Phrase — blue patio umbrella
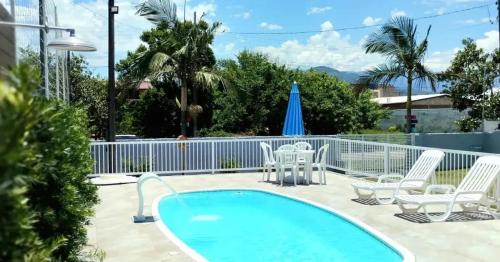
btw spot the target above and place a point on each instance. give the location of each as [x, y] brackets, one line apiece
[294, 125]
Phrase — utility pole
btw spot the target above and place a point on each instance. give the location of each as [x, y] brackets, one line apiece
[110, 134]
[498, 21]
[194, 115]
[43, 48]
[112, 10]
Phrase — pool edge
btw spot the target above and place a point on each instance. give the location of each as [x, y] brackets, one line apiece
[405, 253]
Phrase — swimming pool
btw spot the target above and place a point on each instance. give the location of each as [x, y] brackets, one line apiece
[254, 225]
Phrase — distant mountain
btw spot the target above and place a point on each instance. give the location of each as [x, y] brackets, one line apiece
[348, 76]
[352, 77]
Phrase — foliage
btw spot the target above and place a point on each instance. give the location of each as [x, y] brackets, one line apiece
[206, 132]
[229, 163]
[256, 101]
[470, 80]
[18, 115]
[155, 114]
[51, 142]
[397, 41]
[87, 89]
[177, 51]
[90, 92]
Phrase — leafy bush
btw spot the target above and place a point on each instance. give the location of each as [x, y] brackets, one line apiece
[18, 114]
[206, 132]
[229, 163]
[47, 198]
[155, 114]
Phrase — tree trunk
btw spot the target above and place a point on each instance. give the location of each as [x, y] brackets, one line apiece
[408, 101]
[195, 116]
[183, 108]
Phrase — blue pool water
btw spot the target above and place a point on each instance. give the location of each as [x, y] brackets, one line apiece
[246, 225]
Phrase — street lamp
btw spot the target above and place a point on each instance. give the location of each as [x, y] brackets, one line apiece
[71, 43]
[68, 43]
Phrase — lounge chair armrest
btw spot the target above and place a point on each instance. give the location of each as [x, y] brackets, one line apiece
[442, 189]
[406, 180]
[390, 178]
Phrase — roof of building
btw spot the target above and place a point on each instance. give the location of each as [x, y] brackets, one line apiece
[402, 99]
[144, 85]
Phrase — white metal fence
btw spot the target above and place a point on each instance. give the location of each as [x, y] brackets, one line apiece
[395, 138]
[352, 157]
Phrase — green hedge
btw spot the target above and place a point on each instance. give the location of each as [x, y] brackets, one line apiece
[45, 197]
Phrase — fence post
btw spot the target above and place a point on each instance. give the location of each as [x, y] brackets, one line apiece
[213, 157]
[498, 194]
[386, 159]
[412, 139]
[349, 153]
[150, 157]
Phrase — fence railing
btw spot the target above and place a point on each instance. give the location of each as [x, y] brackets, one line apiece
[391, 138]
[182, 157]
[352, 157]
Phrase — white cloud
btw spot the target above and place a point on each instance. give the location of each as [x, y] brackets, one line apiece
[489, 42]
[89, 18]
[325, 48]
[450, 2]
[244, 15]
[483, 20]
[370, 21]
[223, 29]
[441, 60]
[270, 26]
[318, 10]
[396, 12]
[327, 25]
[229, 47]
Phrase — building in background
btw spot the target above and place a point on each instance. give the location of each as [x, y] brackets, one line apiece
[417, 101]
[434, 112]
[7, 40]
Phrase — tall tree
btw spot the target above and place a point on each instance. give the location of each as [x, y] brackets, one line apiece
[397, 40]
[184, 55]
[470, 80]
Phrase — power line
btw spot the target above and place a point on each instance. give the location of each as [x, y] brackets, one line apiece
[355, 27]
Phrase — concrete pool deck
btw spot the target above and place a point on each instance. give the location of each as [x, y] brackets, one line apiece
[113, 231]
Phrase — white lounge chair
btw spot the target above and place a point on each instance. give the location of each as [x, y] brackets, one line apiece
[471, 191]
[320, 163]
[416, 179]
[269, 162]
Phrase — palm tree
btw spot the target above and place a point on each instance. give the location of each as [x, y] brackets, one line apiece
[182, 56]
[397, 41]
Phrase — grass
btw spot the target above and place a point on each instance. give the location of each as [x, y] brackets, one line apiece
[450, 177]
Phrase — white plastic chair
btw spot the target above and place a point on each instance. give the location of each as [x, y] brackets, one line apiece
[302, 146]
[416, 179]
[269, 162]
[320, 163]
[471, 191]
[287, 159]
[287, 147]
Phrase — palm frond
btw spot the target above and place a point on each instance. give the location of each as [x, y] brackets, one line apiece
[422, 47]
[424, 76]
[384, 74]
[159, 11]
[209, 79]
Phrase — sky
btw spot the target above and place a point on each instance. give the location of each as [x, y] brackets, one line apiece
[338, 46]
